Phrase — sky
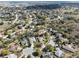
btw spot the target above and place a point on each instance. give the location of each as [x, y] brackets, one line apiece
[27, 3]
[40, 0]
[32, 2]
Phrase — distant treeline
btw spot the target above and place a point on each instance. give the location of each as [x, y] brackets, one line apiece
[70, 4]
[49, 6]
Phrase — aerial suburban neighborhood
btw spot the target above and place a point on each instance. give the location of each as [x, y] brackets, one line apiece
[43, 30]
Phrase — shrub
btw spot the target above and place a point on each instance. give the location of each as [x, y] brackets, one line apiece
[1, 23]
[4, 52]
